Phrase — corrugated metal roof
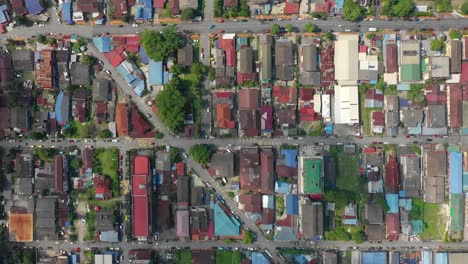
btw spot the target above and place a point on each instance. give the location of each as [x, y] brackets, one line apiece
[456, 173]
[155, 72]
[292, 206]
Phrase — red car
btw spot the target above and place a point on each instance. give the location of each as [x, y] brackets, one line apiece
[267, 31]
[120, 170]
[221, 31]
[152, 143]
[121, 157]
[221, 21]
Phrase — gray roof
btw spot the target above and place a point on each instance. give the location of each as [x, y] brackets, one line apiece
[391, 102]
[183, 4]
[80, 94]
[223, 163]
[284, 60]
[185, 55]
[196, 196]
[411, 117]
[437, 116]
[330, 257]
[391, 118]
[455, 56]
[266, 62]
[310, 59]
[23, 166]
[368, 75]
[62, 56]
[25, 186]
[310, 78]
[104, 220]
[19, 118]
[375, 232]
[80, 74]
[374, 213]
[163, 161]
[45, 222]
[23, 60]
[101, 88]
[246, 60]
[183, 189]
[311, 217]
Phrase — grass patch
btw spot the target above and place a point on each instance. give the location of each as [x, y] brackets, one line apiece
[183, 257]
[435, 222]
[107, 163]
[416, 149]
[390, 149]
[347, 174]
[228, 257]
[279, 206]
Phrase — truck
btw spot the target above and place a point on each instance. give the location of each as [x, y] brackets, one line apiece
[372, 29]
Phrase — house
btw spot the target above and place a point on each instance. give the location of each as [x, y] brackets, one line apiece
[310, 175]
[183, 229]
[291, 7]
[374, 98]
[267, 171]
[80, 74]
[266, 118]
[230, 3]
[368, 65]
[184, 4]
[435, 172]
[374, 257]
[18, 7]
[199, 223]
[120, 8]
[104, 220]
[44, 60]
[33, 7]
[307, 107]
[436, 116]
[250, 170]
[392, 227]
[101, 90]
[222, 164]
[346, 59]
[45, 219]
[410, 61]
[183, 191]
[284, 60]
[67, 13]
[292, 204]
[140, 196]
[285, 95]
[203, 256]
[224, 117]
[392, 114]
[121, 119]
[140, 127]
[374, 214]
[185, 55]
[248, 123]
[79, 104]
[411, 174]
[21, 225]
[174, 7]
[411, 118]
[392, 180]
[23, 59]
[437, 67]
[225, 224]
[62, 108]
[378, 122]
[259, 258]
[346, 105]
[144, 10]
[246, 70]
[5, 70]
[61, 175]
[310, 72]
[456, 172]
[88, 6]
[102, 187]
[250, 203]
[391, 60]
[454, 50]
[455, 106]
[310, 219]
[20, 119]
[266, 70]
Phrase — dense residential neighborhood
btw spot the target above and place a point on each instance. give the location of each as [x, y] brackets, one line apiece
[234, 131]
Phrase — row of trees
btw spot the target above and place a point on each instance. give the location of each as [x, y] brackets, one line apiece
[398, 8]
[241, 11]
[159, 45]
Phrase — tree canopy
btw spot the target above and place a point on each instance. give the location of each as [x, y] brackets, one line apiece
[160, 45]
[187, 14]
[249, 237]
[289, 28]
[352, 11]
[105, 133]
[171, 104]
[443, 5]
[437, 44]
[455, 34]
[464, 8]
[404, 8]
[200, 153]
[311, 28]
[275, 29]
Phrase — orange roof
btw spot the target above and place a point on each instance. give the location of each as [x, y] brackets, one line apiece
[21, 227]
[44, 73]
[223, 116]
[122, 119]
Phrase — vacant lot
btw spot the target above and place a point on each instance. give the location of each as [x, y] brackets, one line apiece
[435, 222]
[107, 163]
[183, 257]
[228, 257]
[347, 174]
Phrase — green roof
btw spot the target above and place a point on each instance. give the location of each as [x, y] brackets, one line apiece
[225, 225]
[456, 212]
[417, 227]
[313, 173]
[410, 72]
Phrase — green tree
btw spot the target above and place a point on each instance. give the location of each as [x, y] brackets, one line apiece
[198, 69]
[211, 74]
[311, 28]
[352, 11]
[171, 104]
[21, 20]
[75, 164]
[275, 29]
[40, 38]
[160, 45]
[231, 194]
[105, 133]
[228, 241]
[464, 8]
[187, 14]
[437, 44]
[71, 131]
[289, 28]
[443, 5]
[404, 8]
[244, 9]
[328, 36]
[127, 18]
[201, 153]
[248, 237]
[358, 237]
[88, 59]
[218, 8]
[455, 34]
[159, 135]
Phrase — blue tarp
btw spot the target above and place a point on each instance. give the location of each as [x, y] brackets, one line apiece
[404, 103]
[406, 204]
[456, 176]
[292, 206]
[290, 157]
[67, 12]
[374, 257]
[392, 202]
[259, 258]
[33, 6]
[281, 187]
[155, 72]
[103, 44]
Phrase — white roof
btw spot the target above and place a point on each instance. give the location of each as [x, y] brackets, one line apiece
[346, 105]
[325, 105]
[317, 103]
[346, 58]
[391, 78]
[102, 259]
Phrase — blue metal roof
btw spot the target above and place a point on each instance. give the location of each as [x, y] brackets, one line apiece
[109, 236]
[224, 224]
[155, 72]
[290, 157]
[281, 187]
[67, 11]
[426, 257]
[103, 44]
[33, 6]
[403, 87]
[392, 202]
[374, 257]
[74, 259]
[259, 258]
[3, 18]
[58, 108]
[139, 88]
[456, 174]
[143, 56]
[292, 206]
[441, 258]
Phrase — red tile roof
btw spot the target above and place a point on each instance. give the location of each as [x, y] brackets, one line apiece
[242, 77]
[159, 3]
[391, 175]
[378, 118]
[435, 96]
[101, 185]
[252, 203]
[44, 72]
[268, 216]
[291, 8]
[373, 94]
[140, 216]
[393, 226]
[248, 99]
[18, 7]
[285, 171]
[132, 47]
[87, 6]
[140, 165]
[58, 171]
[121, 119]
[267, 171]
[266, 117]
[231, 3]
[114, 58]
[322, 8]
[455, 105]
[285, 95]
[223, 95]
[174, 7]
[120, 8]
[180, 169]
[391, 58]
[140, 126]
[249, 170]
[307, 114]
[306, 94]
[223, 116]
